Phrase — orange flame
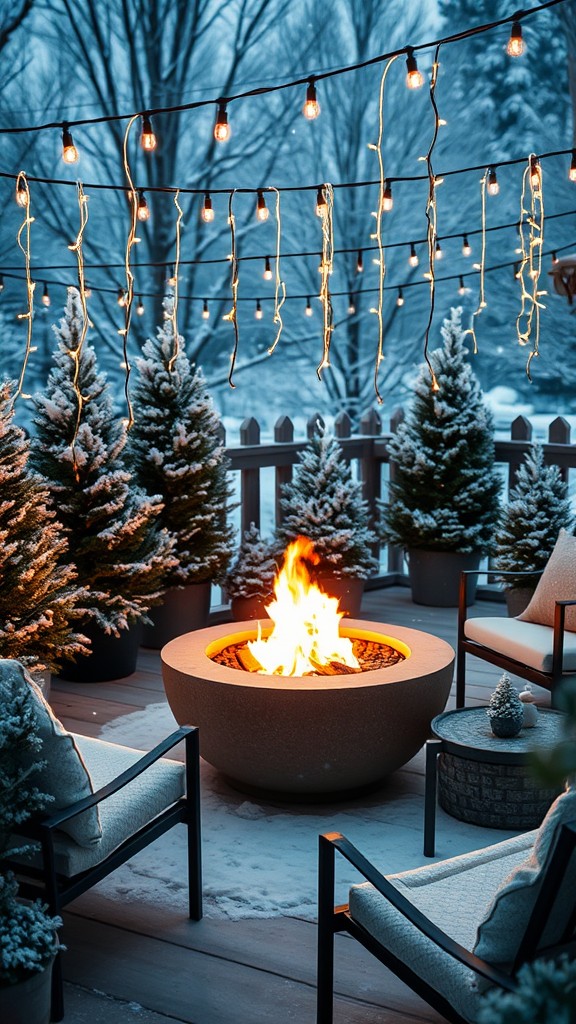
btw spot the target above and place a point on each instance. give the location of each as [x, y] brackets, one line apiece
[306, 621]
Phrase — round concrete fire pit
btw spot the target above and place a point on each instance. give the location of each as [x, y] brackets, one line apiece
[308, 735]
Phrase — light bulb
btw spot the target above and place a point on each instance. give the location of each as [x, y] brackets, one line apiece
[387, 200]
[311, 107]
[148, 140]
[535, 172]
[515, 47]
[267, 275]
[554, 257]
[69, 151]
[438, 253]
[121, 300]
[87, 291]
[140, 307]
[360, 262]
[21, 194]
[572, 171]
[309, 311]
[461, 286]
[258, 311]
[45, 296]
[493, 187]
[261, 208]
[414, 78]
[351, 305]
[207, 213]
[320, 203]
[143, 210]
[221, 126]
[413, 257]
[172, 280]
[400, 298]
[466, 247]
[205, 310]
[1, 283]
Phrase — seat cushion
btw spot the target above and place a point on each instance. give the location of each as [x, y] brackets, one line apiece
[526, 642]
[502, 929]
[65, 776]
[124, 813]
[557, 583]
[454, 894]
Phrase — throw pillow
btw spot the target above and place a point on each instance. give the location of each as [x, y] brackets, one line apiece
[557, 583]
[501, 931]
[65, 776]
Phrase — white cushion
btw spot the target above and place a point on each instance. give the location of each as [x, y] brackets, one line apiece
[454, 894]
[65, 776]
[500, 932]
[526, 642]
[557, 583]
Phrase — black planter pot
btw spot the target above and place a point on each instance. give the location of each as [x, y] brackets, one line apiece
[111, 658]
[348, 589]
[183, 610]
[435, 576]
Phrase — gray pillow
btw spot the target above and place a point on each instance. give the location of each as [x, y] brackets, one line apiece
[65, 776]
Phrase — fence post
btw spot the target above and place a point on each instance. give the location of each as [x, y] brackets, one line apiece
[559, 433]
[249, 478]
[283, 432]
[520, 430]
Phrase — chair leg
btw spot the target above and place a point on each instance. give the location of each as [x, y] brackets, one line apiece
[193, 826]
[325, 980]
[460, 678]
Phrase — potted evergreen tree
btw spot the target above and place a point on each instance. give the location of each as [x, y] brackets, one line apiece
[176, 451]
[538, 508]
[116, 544]
[444, 496]
[38, 596]
[249, 583]
[324, 503]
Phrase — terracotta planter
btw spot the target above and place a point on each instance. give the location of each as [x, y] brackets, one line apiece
[435, 576]
[183, 609]
[348, 590]
[111, 658]
[245, 608]
[27, 1002]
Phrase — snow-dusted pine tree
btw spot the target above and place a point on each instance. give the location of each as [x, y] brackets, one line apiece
[505, 710]
[445, 493]
[120, 552]
[38, 597]
[538, 508]
[324, 503]
[176, 451]
[254, 568]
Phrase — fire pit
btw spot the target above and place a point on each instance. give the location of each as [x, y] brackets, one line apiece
[308, 736]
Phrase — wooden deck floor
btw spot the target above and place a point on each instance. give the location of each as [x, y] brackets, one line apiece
[136, 962]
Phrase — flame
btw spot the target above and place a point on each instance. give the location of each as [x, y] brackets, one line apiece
[306, 621]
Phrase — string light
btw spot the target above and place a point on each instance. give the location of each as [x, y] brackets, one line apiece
[258, 311]
[515, 47]
[466, 247]
[232, 315]
[439, 252]
[267, 275]
[554, 257]
[172, 279]
[572, 171]
[400, 298]
[387, 200]
[484, 188]
[311, 108]
[21, 194]
[173, 305]
[1, 283]
[25, 230]
[221, 126]
[535, 172]
[530, 304]
[414, 77]
[148, 140]
[280, 286]
[205, 310]
[431, 216]
[320, 203]
[207, 212]
[461, 286]
[360, 262]
[351, 305]
[76, 352]
[45, 296]
[308, 311]
[261, 208]
[87, 291]
[69, 151]
[140, 307]
[326, 269]
[492, 187]
[413, 257]
[121, 299]
[143, 208]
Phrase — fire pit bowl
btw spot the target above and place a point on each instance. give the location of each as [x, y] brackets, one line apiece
[309, 736]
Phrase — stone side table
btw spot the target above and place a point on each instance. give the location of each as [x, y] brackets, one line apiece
[482, 779]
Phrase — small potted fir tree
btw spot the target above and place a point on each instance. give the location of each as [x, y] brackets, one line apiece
[324, 503]
[249, 583]
[176, 451]
[444, 494]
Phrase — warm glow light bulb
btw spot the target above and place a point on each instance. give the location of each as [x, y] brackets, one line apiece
[535, 172]
[21, 194]
[493, 187]
[172, 279]
[205, 310]
[258, 311]
[554, 257]
[400, 298]
[438, 253]
[466, 247]
[309, 311]
[360, 262]
[311, 107]
[221, 126]
[45, 296]
[387, 200]
[515, 47]
[148, 140]
[461, 286]
[121, 300]
[572, 171]
[413, 257]
[143, 210]
[320, 203]
[1, 283]
[414, 77]
[351, 305]
[140, 307]
[261, 208]
[207, 213]
[267, 275]
[69, 151]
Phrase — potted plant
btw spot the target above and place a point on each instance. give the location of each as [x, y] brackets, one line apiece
[324, 503]
[116, 543]
[545, 994]
[28, 934]
[249, 583]
[444, 493]
[176, 451]
[38, 596]
[538, 508]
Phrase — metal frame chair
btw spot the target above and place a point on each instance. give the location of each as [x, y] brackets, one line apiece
[57, 890]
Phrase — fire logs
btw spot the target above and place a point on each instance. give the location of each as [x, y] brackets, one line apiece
[372, 656]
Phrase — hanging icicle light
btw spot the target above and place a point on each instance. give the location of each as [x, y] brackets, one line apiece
[492, 187]
[400, 298]
[140, 307]
[221, 126]
[267, 275]
[205, 310]
[207, 213]
[45, 296]
[413, 257]
[21, 194]
[143, 210]
[261, 208]
[414, 77]
[308, 311]
[148, 140]
[515, 47]
[351, 305]
[466, 247]
[311, 108]
[387, 200]
[258, 311]
[69, 151]
[360, 262]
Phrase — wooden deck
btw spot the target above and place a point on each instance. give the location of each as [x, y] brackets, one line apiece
[131, 962]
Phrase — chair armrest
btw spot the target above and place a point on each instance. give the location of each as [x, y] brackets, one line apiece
[55, 820]
[338, 842]
[558, 636]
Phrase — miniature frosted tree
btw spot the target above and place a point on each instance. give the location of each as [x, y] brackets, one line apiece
[254, 568]
[176, 451]
[505, 710]
[38, 597]
[538, 508]
[120, 553]
[445, 493]
[324, 503]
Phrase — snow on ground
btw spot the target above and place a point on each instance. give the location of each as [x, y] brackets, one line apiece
[260, 857]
